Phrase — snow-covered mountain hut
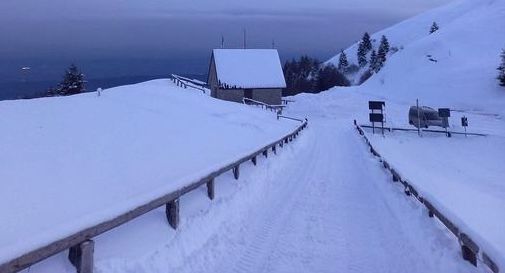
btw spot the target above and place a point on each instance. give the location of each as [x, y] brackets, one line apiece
[256, 74]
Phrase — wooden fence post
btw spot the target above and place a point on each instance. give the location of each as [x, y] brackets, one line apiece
[254, 161]
[81, 256]
[236, 172]
[172, 212]
[210, 189]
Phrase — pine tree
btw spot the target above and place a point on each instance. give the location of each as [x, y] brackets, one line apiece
[434, 27]
[362, 55]
[343, 64]
[373, 61]
[367, 44]
[73, 82]
[382, 53]
[501, 69]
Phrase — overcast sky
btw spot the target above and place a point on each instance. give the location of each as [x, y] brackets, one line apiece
[136, 37]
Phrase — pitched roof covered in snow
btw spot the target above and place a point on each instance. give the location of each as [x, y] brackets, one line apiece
[249, 68]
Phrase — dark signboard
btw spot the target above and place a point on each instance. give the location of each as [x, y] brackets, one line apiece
[444, 112]
[464, 122]
[376, 105]
[376, 117]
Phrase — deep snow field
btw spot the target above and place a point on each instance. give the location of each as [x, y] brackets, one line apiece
[71, 162]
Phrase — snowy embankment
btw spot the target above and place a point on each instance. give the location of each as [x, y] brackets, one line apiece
[73, 162]
[464, 176]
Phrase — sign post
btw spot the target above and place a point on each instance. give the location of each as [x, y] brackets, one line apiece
[445, 113]
[376, 117]
[464, 123]
[418, 118]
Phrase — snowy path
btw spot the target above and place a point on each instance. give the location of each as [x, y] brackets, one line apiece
[334, 217]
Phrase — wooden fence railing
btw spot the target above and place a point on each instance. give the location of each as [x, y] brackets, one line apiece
[81, 245]
[470, 250]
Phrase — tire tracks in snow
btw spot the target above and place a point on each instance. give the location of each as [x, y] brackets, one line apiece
[339, 217]
[273, 216]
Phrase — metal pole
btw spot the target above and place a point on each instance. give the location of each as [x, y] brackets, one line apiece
[418, 118]
[245, 39]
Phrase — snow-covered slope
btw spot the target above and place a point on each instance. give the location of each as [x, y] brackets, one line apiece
[464, 75]
[464, 52]
[73, 162]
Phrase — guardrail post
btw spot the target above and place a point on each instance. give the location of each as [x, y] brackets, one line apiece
[281, 144]
[265, 153]
[274, 149]
[81, 256]
[430, 213]
[236, 172]
[286, 140]
[254, 161]
[210, 189]
[395, 175]
[407, 191]
[469, 249]
[172, 212]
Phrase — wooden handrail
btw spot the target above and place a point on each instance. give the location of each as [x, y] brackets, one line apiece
[82, 239]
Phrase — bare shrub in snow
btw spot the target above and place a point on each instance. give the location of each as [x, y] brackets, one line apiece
[365, 76]
[434, 27]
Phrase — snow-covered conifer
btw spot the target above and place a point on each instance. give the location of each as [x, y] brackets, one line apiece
[343, 64]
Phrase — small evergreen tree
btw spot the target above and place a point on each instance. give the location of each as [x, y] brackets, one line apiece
[373, 61]
[73, 82]
[343, 64]
[382, 54]
[362, 55]
[501, 69]
[434, 27]
[367, 44]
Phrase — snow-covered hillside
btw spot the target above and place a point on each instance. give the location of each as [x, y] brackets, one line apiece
[464, 55]
[73, 162]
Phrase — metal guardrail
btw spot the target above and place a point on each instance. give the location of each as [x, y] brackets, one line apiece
[185, 83]
[290, 118]
[470, 249]
[263, 105]
[80, 244]
[390, 129]
[286, 101]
